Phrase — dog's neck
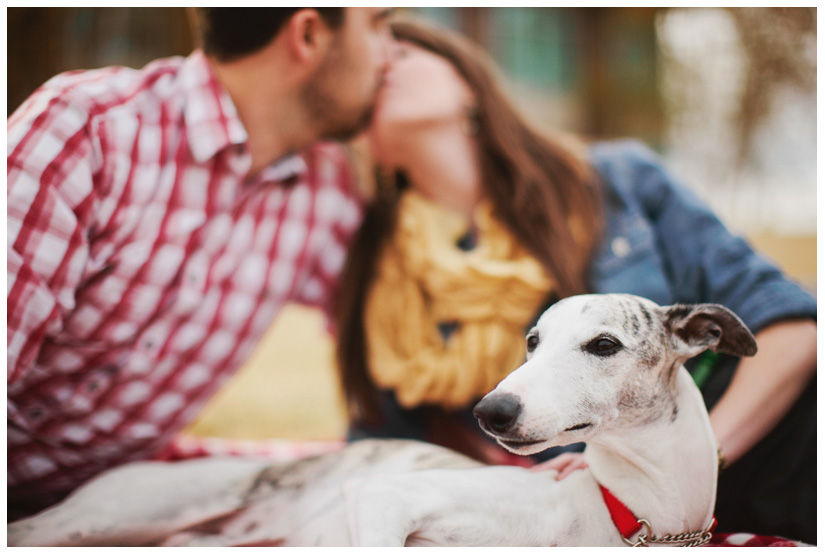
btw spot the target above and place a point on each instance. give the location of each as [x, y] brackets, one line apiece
[664, 471]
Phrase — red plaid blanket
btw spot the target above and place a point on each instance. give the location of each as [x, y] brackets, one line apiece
[751, 540]
[187, 447]
[190, 447]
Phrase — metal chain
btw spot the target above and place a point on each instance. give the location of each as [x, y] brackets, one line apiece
[690, 539]
[687, 539]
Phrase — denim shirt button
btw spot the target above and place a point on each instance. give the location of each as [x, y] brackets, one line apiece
[620, 247]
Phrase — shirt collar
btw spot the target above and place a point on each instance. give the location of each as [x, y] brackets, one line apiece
[212, 121]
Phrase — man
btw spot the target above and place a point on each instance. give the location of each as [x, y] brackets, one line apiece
[157, 221]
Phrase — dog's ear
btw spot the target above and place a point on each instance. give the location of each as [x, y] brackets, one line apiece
[695, 328]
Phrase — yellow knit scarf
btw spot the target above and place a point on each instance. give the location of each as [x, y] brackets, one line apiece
[423, 280]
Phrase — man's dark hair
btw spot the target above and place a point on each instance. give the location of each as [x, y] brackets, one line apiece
[231, 33]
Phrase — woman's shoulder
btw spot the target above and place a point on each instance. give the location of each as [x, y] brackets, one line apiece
[630, 170]
[621, 150]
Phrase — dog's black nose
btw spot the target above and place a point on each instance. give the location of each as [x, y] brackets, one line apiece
[498, 412]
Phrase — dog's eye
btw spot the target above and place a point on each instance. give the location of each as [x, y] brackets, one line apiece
[532, 343]
[603, 346]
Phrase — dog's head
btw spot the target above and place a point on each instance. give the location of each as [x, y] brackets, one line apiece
[597, 361]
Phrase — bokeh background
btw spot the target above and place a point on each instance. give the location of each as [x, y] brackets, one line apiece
[726, 95]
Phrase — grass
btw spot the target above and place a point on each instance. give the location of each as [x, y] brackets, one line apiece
[287, 389]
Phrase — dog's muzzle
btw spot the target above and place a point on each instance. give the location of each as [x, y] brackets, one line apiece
[498, 413]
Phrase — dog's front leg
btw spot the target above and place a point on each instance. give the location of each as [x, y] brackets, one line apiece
[491, 506]
[378, 514]
[421, 508]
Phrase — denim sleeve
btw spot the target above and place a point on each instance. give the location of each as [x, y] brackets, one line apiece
[702, 259]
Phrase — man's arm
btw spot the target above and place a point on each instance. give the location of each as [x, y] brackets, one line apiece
[338, 181]
[50, 199]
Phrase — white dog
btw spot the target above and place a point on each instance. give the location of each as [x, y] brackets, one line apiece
[605, 369]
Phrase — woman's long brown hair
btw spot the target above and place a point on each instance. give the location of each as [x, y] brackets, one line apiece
[545, 193]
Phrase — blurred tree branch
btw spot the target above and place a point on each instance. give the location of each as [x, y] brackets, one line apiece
[780, 46]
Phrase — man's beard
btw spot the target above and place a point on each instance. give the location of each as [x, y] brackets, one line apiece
[325, 111]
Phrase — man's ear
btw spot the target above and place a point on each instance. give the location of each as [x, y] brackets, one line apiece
[307, 35]
[695, 328]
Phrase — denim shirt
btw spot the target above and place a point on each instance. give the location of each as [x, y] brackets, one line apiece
[663, 243]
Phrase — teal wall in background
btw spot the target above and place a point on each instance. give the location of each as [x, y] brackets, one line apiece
[537, 46]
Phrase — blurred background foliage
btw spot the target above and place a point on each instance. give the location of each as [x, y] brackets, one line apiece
[726, 95]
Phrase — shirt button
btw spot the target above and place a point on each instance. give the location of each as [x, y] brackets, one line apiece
[620, 247]
[35, 414]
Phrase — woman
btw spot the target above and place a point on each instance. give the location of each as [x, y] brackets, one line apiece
[479, 223]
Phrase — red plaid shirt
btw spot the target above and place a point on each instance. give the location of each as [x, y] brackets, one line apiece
[144, 264]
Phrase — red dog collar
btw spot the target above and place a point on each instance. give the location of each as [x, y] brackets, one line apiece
[628, 525]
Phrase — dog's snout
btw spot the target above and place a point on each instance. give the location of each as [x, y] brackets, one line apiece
[498, 412]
